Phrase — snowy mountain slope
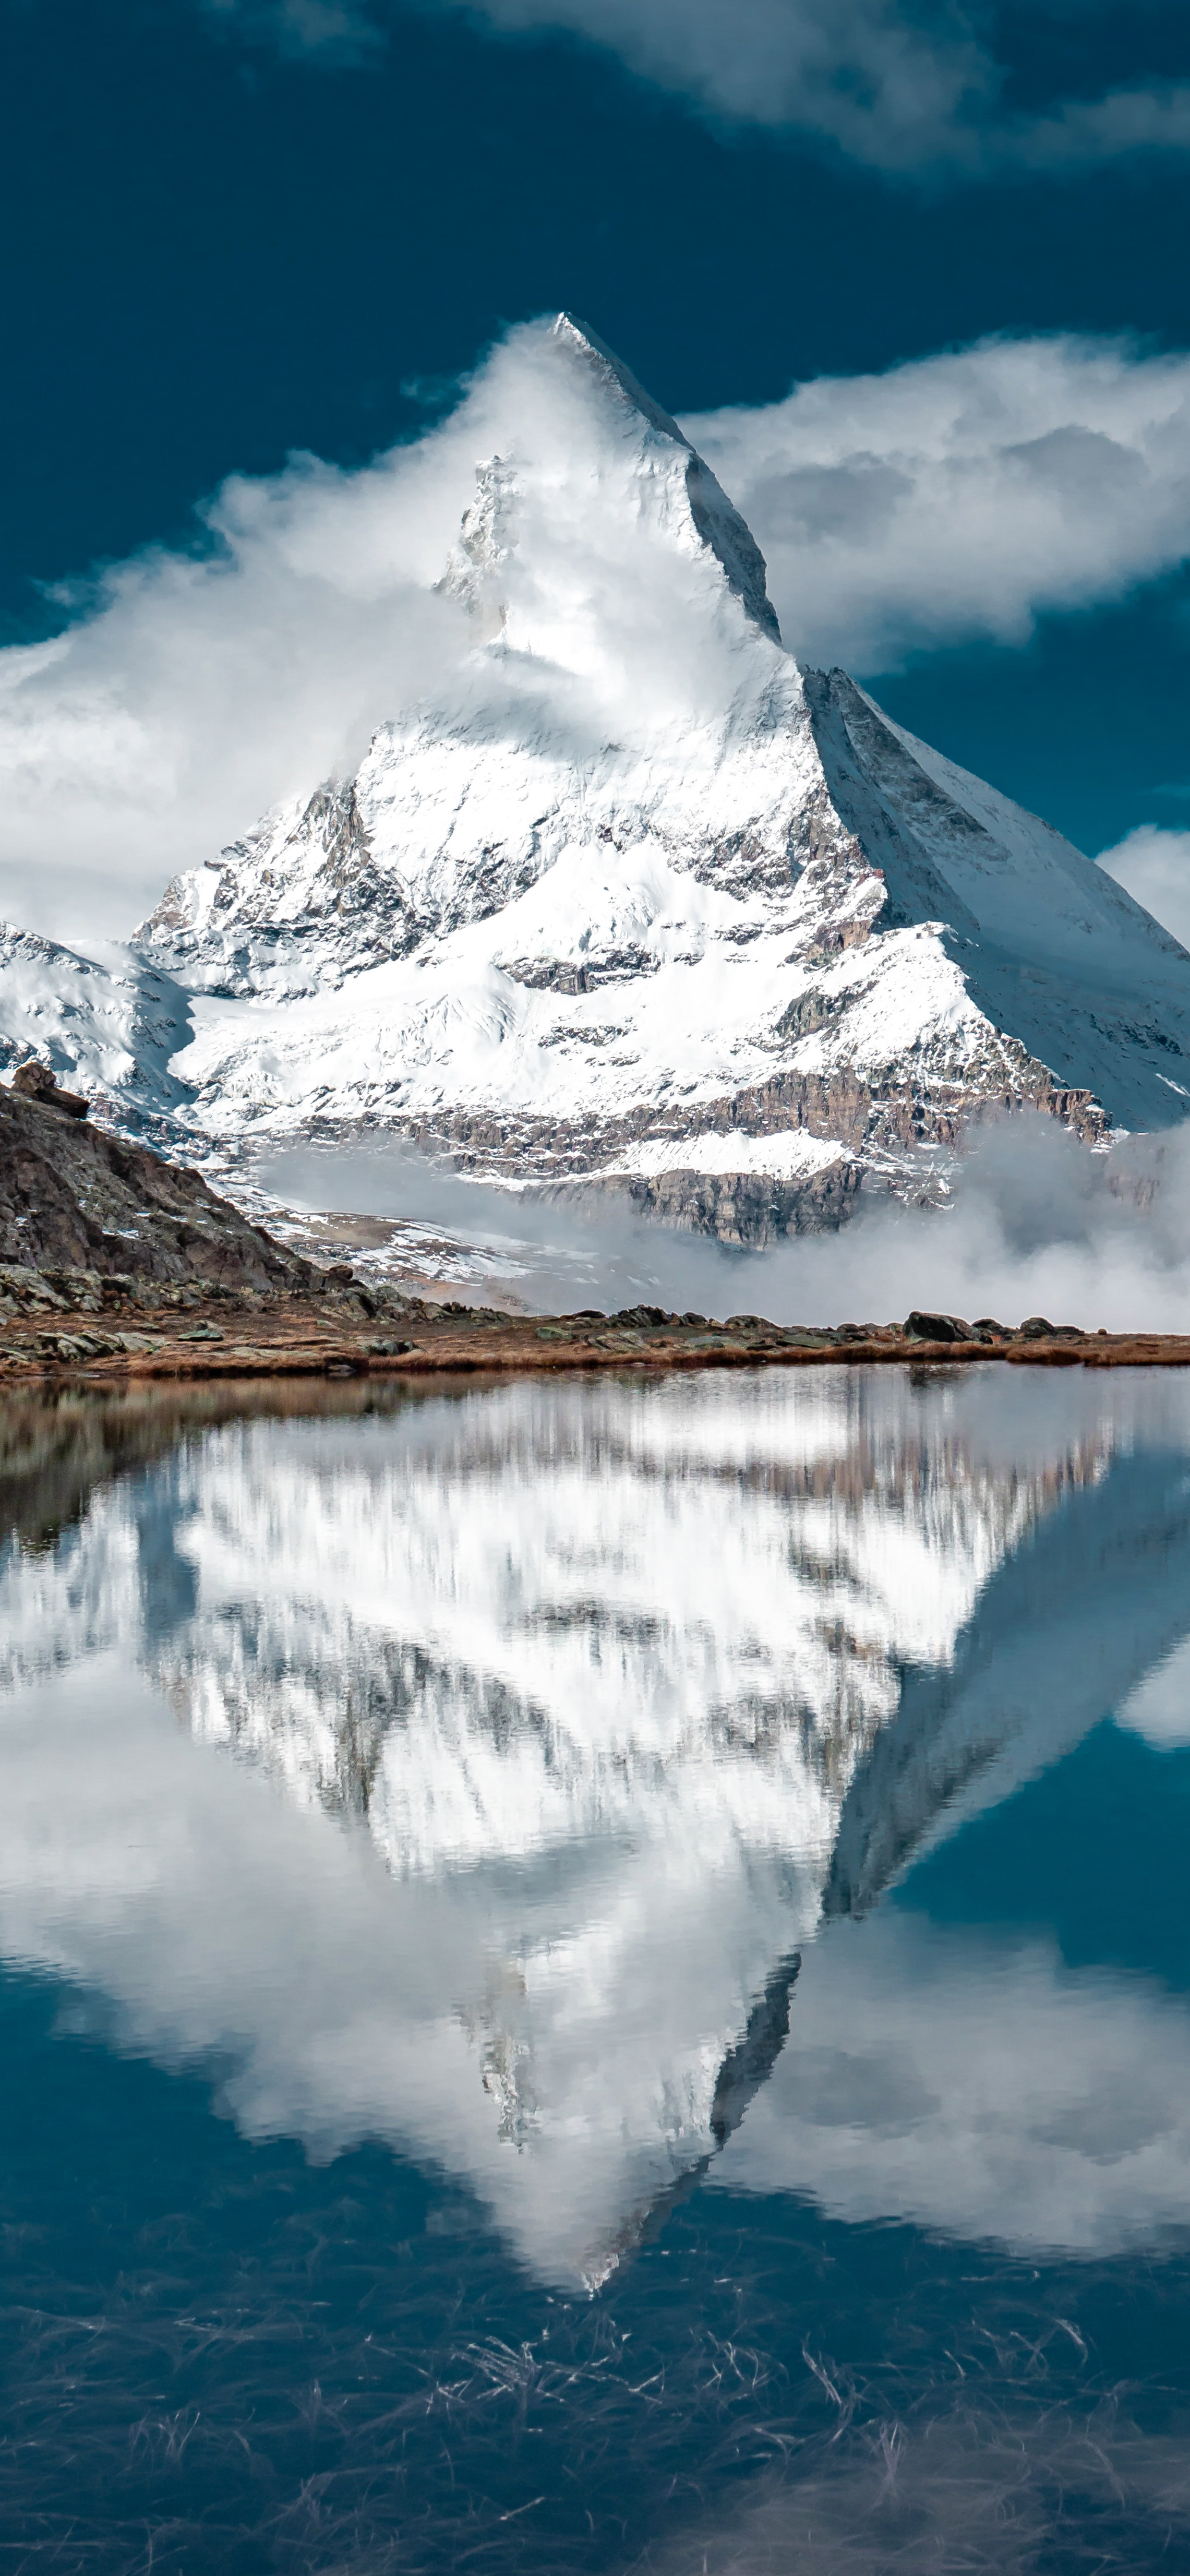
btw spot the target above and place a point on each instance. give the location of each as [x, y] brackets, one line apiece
[109, 1024]
[1096, 1593]
[629, 899]
[1050, 947]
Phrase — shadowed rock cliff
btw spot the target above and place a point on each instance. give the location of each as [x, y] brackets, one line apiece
[72, 1197]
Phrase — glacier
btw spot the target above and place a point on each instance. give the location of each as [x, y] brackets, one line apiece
[631, 901]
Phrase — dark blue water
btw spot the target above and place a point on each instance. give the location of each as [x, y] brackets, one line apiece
[596, 1977]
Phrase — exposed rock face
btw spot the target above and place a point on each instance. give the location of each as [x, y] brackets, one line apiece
[72, 1197]
[35, 1082]
[753, 1208]
[668, 916]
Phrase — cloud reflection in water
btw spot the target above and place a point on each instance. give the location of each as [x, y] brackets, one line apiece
[564, 1718]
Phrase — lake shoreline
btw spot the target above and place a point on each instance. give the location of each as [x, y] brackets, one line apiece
[287, 1337]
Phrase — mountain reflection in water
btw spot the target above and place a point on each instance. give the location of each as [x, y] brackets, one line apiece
[526, 1743]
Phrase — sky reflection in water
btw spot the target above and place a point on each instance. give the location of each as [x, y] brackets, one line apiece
[596, 1975]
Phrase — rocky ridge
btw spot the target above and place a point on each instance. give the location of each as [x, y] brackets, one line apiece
[77, 1201]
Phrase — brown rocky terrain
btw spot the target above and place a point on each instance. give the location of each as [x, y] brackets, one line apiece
[73, 1197]
[63, 1324]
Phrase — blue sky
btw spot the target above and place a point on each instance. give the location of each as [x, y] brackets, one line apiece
[240, 229]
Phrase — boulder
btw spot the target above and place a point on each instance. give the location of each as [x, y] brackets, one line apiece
[36, 1082]
[920, 1327]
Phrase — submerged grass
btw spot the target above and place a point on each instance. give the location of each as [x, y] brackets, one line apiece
[310, 2370]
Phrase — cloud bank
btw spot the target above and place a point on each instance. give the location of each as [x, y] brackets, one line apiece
[963, 495]
[1154, 865]
[1033, 1225]
[955, 497]
[975, 2087]
[897, 85]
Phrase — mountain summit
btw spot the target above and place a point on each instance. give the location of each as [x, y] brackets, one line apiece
[716, 520]
[628, 898]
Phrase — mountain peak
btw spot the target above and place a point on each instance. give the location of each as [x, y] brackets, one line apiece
[571, 334]
[545, 496]
[716, 519]
[626, 900]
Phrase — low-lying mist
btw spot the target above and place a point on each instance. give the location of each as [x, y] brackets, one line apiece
[1033, 1224]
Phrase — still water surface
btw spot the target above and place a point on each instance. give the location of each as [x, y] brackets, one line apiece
[595, 1977]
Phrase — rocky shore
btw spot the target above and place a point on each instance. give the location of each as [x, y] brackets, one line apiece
[83, 1324]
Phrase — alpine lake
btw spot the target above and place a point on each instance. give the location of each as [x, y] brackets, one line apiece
[596, 1975]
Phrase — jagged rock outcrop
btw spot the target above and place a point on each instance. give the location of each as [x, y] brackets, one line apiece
[75, 1198]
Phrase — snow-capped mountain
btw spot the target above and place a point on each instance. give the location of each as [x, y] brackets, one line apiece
[628, 898]
[114, 1020]
[584, 1704]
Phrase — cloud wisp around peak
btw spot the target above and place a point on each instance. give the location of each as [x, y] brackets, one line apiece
[955, 498]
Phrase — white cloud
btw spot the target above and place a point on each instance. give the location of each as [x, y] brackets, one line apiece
[958, 496]
[191, 692]
[1154, 865]
[961, 495]
[899, 85]
[1083, 132]
[977, 2087]
[1159, 1707]
[895, 86]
